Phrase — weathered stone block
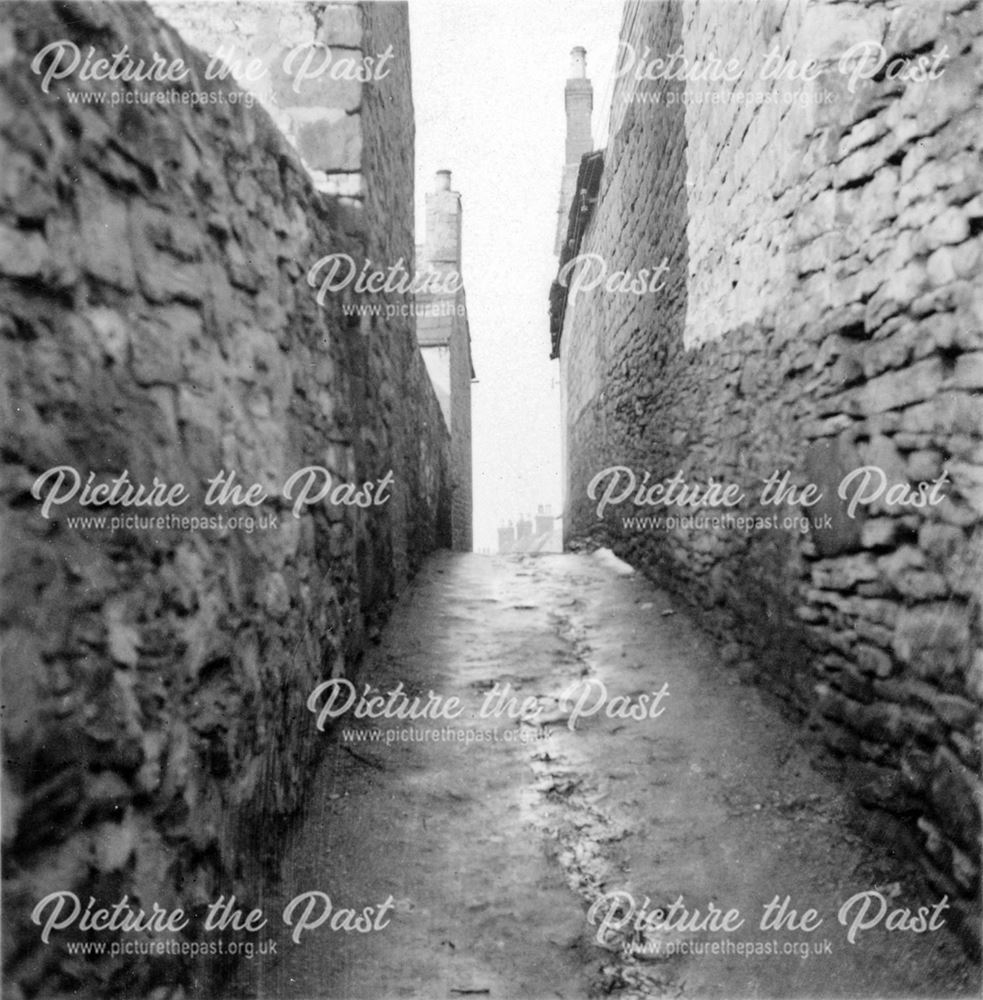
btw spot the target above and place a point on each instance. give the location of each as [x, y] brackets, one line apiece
[916, 769]
[933, 638]
[104, 231]
[874, 661]
[895, 390]
[878, 533]
[825, 464]
[22, 254]
[968, 372]
[341, 24]
[940, 541]
[158, 341]
[326, 88]
[853, 684]
[111, 331]
[332, 145]
[913, 27]
[974, 677]
[956, 795]
[955, 711]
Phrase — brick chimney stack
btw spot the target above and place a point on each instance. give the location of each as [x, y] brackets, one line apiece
[444, 337]
[578, 97]
[443, 235]
[579, 100]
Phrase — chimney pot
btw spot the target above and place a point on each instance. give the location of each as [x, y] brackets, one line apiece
[443, 180]
[578, 63]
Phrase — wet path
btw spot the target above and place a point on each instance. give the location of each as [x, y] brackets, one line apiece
[489, 848]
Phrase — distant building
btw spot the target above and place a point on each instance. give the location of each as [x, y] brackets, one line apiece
[544, 520]
[578, 99]
[506, 537]
[578, 192]
[445, 342]
[542, 533]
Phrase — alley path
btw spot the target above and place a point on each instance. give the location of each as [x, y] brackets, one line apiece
[494, 851]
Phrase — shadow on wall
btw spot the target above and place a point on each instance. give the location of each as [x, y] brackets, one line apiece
[157, 323]
[820, 315]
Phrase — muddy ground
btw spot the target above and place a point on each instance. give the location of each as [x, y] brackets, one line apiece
[492, 861]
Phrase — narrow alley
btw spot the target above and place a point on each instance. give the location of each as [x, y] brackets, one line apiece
[492, 499]
[510, 846]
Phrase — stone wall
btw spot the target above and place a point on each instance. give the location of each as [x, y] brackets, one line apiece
[156, 320]
[821, 311]
[305, 64]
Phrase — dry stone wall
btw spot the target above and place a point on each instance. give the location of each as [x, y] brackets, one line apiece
[156, 320]
[820, 311]
[312, 66]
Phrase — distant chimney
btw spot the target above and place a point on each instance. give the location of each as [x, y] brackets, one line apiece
[579, 100]
[578, 63]
[443, 232]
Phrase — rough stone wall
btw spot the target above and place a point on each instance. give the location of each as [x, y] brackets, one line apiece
[156, 319]
[822, 311]
[295, 57]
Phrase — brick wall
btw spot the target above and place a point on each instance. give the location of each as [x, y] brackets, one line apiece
[821, 311]
[156, 319]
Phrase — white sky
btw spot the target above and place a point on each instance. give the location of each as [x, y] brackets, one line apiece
[488, 81]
